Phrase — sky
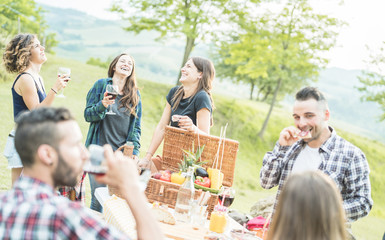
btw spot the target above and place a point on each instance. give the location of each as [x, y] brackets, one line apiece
[365, 19]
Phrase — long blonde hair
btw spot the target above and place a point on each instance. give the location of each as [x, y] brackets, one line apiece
[309, 207]
[130, 97]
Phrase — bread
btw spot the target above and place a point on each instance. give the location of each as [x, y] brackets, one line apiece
[163, 215]
[305, 135]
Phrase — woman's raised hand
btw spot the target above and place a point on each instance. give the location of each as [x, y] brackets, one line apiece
[186, 123]
[61, 82]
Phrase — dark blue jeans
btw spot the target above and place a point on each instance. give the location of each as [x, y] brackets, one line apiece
[95, 205]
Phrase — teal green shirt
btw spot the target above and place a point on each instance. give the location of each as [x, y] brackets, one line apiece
[95, 113]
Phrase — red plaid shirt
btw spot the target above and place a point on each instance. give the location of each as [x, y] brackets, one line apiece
[79, 191]
[32, 210]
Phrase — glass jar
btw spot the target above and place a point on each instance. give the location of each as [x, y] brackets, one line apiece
[218, 219]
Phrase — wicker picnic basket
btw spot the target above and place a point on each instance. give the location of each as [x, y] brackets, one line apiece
[175, 141]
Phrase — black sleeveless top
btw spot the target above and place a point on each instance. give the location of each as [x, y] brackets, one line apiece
[18, 102]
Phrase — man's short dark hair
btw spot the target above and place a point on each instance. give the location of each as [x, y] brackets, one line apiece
[38, 127]
[307, 93]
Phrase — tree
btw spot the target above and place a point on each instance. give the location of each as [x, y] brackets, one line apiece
[193, 20]
[24, 16]
[373, 81]
[278, 53]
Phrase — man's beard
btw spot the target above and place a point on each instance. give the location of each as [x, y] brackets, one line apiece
[64, 175]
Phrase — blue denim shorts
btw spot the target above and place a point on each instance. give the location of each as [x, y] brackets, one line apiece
[10, 152]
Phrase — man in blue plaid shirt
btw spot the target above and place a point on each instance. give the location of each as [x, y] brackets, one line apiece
[313, 145]
[49, 142]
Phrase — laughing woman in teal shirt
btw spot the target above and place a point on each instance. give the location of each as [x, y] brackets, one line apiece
[125, 125]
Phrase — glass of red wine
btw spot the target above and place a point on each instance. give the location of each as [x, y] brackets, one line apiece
[226, 196]
[112, 90]
[66, 72]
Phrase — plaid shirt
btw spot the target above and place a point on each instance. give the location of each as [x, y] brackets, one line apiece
[95, 112]
[77, 193]
[342, 161]
[32, 210]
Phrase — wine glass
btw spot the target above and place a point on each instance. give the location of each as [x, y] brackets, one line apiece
[62, 71]
[112, 90]
[226, 196]
[96, 164]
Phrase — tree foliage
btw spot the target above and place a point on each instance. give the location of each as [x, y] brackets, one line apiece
[279, 52]
[99, 62]
[25, 17]
[373, 81]
[192, 20]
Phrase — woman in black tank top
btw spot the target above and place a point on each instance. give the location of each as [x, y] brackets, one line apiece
[24, 55]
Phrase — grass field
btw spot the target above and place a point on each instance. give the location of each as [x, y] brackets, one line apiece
[244, 118]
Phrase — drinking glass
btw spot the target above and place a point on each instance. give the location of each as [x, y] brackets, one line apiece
[62, 71]
[95, 165]
[112, 90]
[227, 195]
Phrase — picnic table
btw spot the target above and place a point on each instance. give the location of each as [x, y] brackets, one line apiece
[179, 230]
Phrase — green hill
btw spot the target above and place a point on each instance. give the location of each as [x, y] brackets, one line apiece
[82, 36]
[244, 118]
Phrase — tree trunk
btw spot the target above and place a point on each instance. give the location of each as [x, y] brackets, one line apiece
[267, 94]
[187, 50]
[264, 126]
[252, 90]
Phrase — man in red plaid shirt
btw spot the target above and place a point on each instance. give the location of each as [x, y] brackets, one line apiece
[49, 143]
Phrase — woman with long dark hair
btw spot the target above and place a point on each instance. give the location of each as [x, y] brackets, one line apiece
[125, 124]
[189, 106]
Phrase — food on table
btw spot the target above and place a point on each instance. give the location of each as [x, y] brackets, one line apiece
[162, 214]
[201, 172]
[215, 191]
[203, 181]
[209, 170]
[157, 175]
[163, 175]
[177, 177]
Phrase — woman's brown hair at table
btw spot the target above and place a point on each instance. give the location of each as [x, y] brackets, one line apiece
[309, 207]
